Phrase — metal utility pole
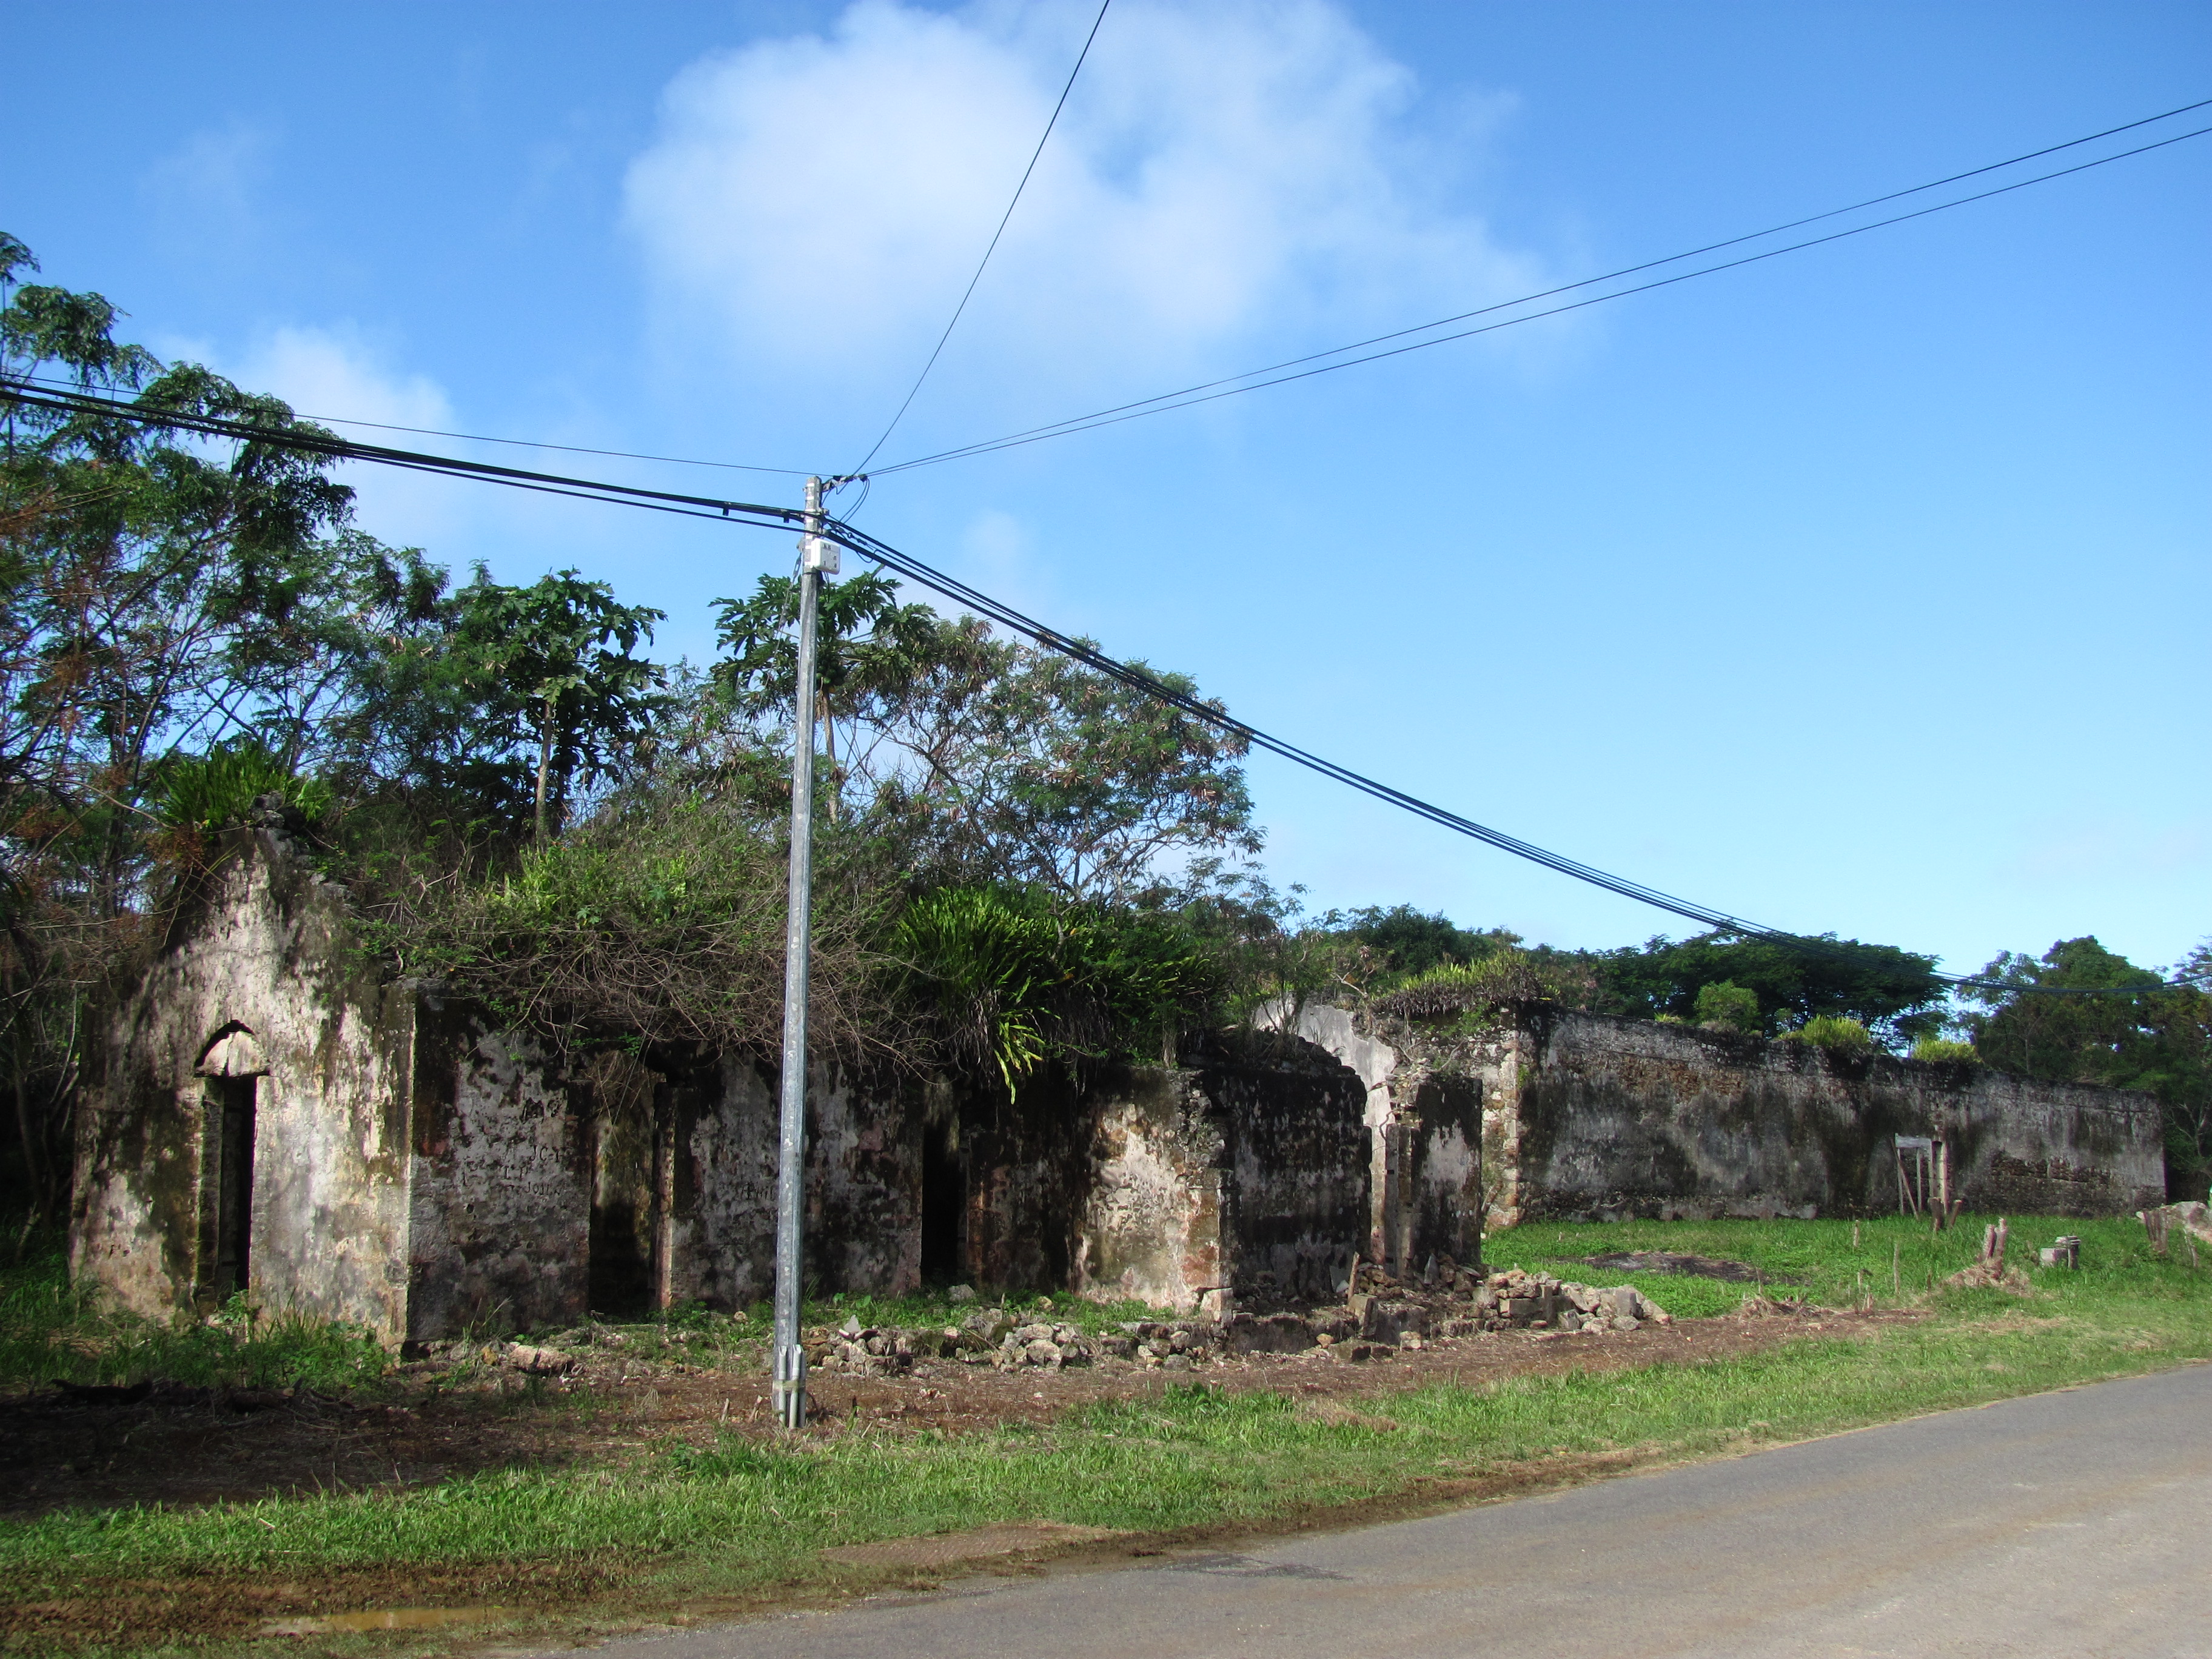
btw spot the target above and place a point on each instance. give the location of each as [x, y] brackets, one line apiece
[816, 558]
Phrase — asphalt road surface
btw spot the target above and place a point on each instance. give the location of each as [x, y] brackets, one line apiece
[2072, 1524]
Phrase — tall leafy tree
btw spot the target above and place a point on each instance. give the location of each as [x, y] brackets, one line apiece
[873, 656]
[994, 761]
[142, 573]
[1409, 941]
[557, 668]
[2082, 1013]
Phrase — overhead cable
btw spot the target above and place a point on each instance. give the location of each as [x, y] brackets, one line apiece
[1005, 219]
[982, 605]
[60, 383]
[1212, 391]
[1077, 422]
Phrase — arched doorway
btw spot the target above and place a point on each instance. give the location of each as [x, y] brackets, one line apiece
[230, 1069]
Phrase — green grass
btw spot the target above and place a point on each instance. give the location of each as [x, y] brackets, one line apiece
[743, 1518]
[50, 1330]
[1896, 1258]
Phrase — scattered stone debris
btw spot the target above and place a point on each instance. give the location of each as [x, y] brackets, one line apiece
[538, 1361]
[1981, 1278]
[1381, 1314]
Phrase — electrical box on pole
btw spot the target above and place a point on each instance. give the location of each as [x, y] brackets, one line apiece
[817, 557]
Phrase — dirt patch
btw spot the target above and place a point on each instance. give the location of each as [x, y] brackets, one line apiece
[86, 1449]
[949, 1549]
[182, 1447]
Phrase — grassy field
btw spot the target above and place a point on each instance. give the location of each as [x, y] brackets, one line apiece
[739, 1522]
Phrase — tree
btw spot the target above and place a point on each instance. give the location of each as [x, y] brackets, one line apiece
[554, 666]
[873, 656]
[2034, 1028]
[2080, 1014]
[138, 570]
[990, 762]
[1409, 942]
[1893, 993]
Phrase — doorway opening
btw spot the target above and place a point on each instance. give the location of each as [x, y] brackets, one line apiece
[944, 1204]
[230, 1112]
[621, 1266]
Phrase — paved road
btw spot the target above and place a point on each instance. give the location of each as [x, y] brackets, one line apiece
[2071, 1524]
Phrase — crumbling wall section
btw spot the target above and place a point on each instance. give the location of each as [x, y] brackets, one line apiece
[1026, 1162]
[1619, 1117]
[258, 983]
[502, 1182]
[721, 1233]
[1437, 1123]
[863, 1180]
[1296, 1122]
[1151, 1224]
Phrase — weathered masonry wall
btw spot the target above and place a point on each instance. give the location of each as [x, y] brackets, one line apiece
[1150, 1224]
[1624, 1117]
[501, 1191]
[1243, 1170]
[265, 1115]
[1588, 1116]
[1297, 1201]
[255, 1011]
[1430, 1129]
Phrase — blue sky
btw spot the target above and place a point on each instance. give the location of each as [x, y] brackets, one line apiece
[1864, 589]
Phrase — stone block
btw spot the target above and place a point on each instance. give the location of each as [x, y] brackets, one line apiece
[1276, 1333]
[1390, 1322]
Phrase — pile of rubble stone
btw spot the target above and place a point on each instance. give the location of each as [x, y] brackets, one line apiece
[1010, 1339]
[1381, 1312]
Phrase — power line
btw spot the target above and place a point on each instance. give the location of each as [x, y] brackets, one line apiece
[515, 443]
[311, 440]
[1005, 219]
[1077, 423]
[1208, 391]
[880, 552]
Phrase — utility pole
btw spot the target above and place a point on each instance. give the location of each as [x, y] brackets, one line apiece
[816, 558]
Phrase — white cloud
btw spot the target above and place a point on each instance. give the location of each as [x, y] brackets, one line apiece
[325, 373]
[1228, 175]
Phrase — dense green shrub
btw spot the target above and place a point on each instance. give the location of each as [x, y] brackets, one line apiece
[1944, 1051]
[1835, 1033]
[1507, 978]
[1011, 978]
[50, 1329]
[1733, 1006]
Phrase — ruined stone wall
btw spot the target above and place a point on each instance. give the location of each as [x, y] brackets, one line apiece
[720, 1226]
[1626, 1117]
[499, 1236]
[256, 984]
[1435, 1133]
[713, 1201]
[1298, 1201]
[1151, 1225]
